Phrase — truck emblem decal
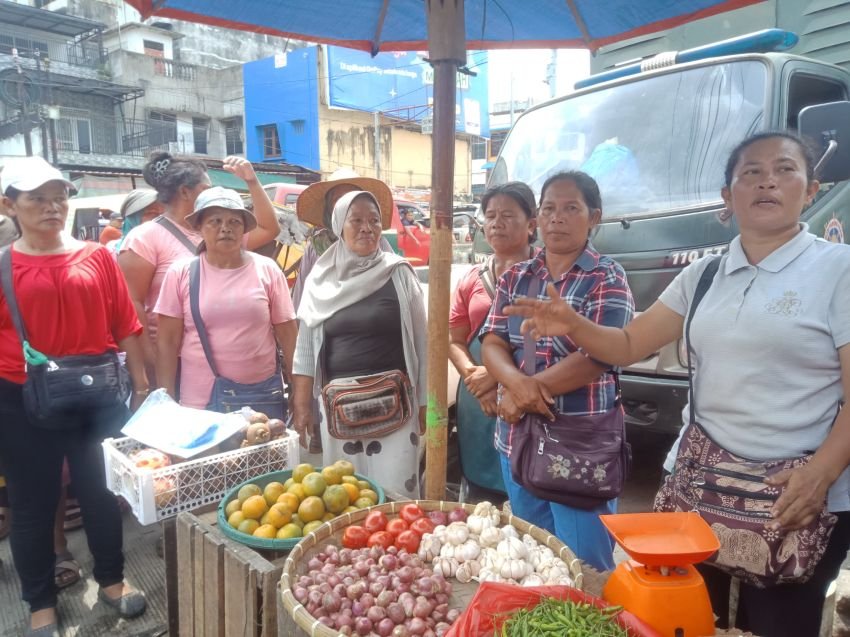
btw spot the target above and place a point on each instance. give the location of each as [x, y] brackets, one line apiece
[834, 230]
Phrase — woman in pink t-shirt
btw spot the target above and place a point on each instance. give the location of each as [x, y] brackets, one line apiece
[244, 305]
[149, 250]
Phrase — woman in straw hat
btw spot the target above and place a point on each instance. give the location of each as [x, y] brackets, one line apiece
[243, 303]
[362, 314]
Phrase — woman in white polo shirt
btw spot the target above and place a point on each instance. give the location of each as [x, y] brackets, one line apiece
[771, 345]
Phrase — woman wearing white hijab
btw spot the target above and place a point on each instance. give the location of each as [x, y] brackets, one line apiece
[362, 313]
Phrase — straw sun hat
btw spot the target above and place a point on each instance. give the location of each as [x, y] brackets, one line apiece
[310, 205]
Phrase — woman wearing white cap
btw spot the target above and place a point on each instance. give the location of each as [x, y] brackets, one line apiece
[243, 305]
[73, 301]
[148, 251]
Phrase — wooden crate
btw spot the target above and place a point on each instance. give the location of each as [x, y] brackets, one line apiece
[218, 587]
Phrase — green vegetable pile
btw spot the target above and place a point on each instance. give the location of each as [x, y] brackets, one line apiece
[556, 618]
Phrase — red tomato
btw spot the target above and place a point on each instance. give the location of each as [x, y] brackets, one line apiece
[396, 526]
[410, 513]
[408, 540]
[355, 537]
[375, 521]
[422, 526]
[383, 539]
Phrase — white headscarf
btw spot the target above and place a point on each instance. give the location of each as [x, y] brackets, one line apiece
[340, 278]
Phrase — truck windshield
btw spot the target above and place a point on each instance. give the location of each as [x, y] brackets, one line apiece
[654, 144]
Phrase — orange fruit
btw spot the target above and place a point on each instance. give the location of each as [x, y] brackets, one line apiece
[249, 526]
[279, 515]
[363, 484]
[350, 480]
[235, 519]
[362, 503]
[254, 507]
[302, 470]
[353, 491]
[289, 531]
[272, 492]
[288, 483]
[350, 509]
[291, 500]
[332, 474]
[344, 467]
[232, 507]
[314, 484]
[297, 521]
[368, 493]
[335, 498]
[327, 517]
[246, 491]
[312, 508]
[266, 530]
[298, 490]
[311, 526]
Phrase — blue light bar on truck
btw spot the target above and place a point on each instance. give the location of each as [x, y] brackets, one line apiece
[758, 42]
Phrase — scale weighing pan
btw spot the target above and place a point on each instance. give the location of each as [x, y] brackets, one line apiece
[663, 539]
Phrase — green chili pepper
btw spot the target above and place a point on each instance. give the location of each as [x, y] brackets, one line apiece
[556, 618]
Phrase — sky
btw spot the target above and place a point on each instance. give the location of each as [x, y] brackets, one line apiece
[527, 68]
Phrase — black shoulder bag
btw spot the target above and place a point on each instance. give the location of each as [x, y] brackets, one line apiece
[228, 395]
[57, 387]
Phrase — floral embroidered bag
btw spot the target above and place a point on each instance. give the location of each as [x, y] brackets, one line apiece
[731, 495]
[580, 461]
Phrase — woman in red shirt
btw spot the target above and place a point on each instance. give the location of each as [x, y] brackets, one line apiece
[72, 300]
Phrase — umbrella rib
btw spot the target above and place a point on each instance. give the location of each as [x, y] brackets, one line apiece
[376, 41]
[585, 34]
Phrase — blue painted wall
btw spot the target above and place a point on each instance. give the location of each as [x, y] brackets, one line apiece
[285, 96]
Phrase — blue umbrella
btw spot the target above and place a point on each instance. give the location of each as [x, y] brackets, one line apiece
[446, 28]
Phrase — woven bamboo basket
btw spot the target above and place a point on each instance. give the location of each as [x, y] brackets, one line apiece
[298, 622]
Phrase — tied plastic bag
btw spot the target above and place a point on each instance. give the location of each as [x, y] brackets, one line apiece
[166, 425]
[494, 602]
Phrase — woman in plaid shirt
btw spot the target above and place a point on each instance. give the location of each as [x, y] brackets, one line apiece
[565, 379]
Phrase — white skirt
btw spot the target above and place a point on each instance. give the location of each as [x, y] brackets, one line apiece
[392, 461]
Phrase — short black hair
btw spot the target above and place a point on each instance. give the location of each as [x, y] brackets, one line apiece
[167, 174]
[805, 150]
[13, 193]
[520, 193]
[585, 183]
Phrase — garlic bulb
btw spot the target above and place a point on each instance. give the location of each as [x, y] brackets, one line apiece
[513, 569]
[466, 571]
[510, 531]
[490, 536]
[476, 524]
[429, 548]
[487, 510]
[448, 550]
[440, 532]
[467, 551]
[533, 579]
[445, 566]
[457, 533]
[513, 548]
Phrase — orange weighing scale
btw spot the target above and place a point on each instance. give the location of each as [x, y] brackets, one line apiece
[659, 583]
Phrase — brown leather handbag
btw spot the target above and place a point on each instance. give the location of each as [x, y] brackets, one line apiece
[367, 406]
[731, 495]
[579, 461]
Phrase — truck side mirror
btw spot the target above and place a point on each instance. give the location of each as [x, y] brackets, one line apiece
[825, 123]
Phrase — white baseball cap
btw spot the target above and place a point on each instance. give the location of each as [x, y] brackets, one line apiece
[218, 197]
[28, 173]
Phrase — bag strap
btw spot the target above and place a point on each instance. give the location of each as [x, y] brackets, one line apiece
[485, 273]
[704, 283]
[9, 292]
[166, 223]
[195, 305]
[529, 344]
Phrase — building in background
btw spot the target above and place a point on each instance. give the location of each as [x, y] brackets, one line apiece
[320, 107]
[112, 89]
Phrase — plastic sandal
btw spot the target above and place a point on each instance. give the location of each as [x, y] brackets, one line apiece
[67, 570]
[128, 605]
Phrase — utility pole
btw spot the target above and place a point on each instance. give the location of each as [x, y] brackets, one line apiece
[377, 144]
[40, 108]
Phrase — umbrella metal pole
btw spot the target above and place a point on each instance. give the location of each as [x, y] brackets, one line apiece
[447, 51]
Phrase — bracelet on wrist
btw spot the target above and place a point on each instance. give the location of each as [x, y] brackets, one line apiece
[141, 392]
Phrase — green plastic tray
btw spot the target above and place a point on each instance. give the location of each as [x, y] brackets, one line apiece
[262, 481]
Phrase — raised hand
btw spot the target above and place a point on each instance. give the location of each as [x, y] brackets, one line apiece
[552, 317]
[240, 167]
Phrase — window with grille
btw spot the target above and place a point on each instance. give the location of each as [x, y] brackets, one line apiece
[200, 127]
[479, 148]
[233, 136]
[162, 128]
[73, 130]
[26, 47]
[271, 141]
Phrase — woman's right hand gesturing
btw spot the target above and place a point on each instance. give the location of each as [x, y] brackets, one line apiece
[553, 317]
[301, 423]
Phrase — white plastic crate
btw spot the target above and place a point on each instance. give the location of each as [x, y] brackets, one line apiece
[185, 486]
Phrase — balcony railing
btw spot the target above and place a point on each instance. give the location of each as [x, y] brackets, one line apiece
[177, 70]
